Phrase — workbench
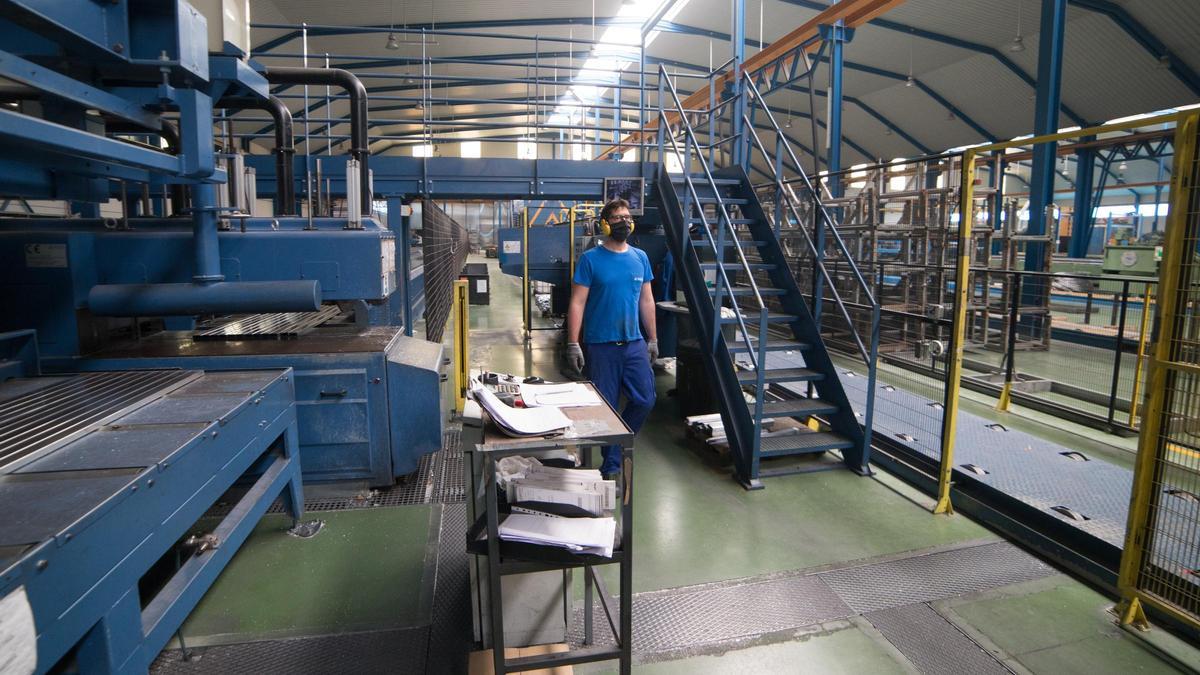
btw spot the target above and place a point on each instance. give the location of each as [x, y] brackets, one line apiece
[592, 426]
[103, 474]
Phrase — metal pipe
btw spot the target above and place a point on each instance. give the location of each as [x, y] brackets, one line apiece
[359, 142]
[169, 132]
[299, 295]
[285, 145]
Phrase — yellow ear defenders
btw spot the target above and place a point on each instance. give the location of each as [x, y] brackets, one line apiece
[606, 229]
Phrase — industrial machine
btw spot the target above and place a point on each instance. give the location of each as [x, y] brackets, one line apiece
[160, 339]
[113, 290]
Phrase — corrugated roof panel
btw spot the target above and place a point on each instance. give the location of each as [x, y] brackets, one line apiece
[988, 93]
[1175, 22]
[1106, 75]
[890, 50]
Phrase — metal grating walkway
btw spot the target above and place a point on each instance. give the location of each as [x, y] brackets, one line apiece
[718, 617]
[933, 644]
[1035, 471]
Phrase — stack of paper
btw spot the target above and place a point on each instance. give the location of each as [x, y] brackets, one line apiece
[565, 395]
[520, 421]
[582, 535]
[583, 488]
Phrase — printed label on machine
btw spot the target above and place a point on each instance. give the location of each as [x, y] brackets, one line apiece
[512, 246]
[18, 637]
[481, 285]
[45, 255]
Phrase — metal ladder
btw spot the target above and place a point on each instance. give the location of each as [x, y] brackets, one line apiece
[734, 275]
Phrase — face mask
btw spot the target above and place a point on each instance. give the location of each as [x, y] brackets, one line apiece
[619, 232]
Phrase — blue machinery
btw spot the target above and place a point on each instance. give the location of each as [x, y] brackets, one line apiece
[120, 426]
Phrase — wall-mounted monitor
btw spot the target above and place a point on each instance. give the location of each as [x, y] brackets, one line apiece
[629, 189]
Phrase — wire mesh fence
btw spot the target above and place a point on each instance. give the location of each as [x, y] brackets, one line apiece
[444, 250]
[1167, 562]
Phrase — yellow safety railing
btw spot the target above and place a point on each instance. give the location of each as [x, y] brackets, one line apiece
[462, 352]
[525, 299]
[972, 157]
[1158, 565]
[1140, 362]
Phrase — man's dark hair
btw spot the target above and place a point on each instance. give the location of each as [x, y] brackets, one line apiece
[612, 206]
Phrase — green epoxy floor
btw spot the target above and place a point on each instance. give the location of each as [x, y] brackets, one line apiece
[693, 525]
[366, 570]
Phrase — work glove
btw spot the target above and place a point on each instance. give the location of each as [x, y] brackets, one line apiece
[652, 349]
[575, 356]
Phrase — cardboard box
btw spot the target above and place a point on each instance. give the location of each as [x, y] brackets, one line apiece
[481, 661]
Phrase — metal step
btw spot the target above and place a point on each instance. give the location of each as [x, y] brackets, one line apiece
[781, 375]
[805, 442]
[739, 346]
[772, 317]
[728, 201]
[763, 267]
[735, 221]
[746, 290]
[744, 243]
[677, 179]
[800, 407]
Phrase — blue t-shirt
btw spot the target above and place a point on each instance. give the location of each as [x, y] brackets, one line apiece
[614, 282]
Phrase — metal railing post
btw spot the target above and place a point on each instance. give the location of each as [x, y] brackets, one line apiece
[958, 333]
[1143, 334]
[1120, 343]
[1010, 350]
[462, 352]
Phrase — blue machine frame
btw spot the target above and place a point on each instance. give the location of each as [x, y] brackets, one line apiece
[93, 523]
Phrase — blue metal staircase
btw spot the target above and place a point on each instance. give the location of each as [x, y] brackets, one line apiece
[745, 304]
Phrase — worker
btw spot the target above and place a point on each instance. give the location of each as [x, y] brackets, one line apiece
[611, 292]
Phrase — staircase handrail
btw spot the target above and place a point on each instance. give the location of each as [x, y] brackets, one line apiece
[722, 214]
[820, 264]
[828, 220]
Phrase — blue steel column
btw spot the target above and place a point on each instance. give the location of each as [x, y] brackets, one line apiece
[1045, 121]
[836, 36]
[1081, 225]
[738, 36]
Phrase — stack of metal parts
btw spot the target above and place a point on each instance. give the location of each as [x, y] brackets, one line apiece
[444, 244]
[278, 326]
[711, 429]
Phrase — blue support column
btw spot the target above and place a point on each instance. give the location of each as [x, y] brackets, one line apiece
[1045, 121]
[1158, 190]
[1082, 219]
[836, 36]
[738, 36]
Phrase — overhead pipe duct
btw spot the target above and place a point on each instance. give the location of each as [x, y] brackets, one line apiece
[337, 77]
[285, 145]
[209, 293]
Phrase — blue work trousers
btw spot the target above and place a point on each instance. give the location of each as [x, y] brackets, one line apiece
[622, 368]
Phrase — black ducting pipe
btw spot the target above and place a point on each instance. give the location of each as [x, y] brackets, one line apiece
[169, 133]
[358, 111]
[285, 145]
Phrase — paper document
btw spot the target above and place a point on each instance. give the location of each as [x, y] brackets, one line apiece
[565, 395]
[583, 535]
[521, 421]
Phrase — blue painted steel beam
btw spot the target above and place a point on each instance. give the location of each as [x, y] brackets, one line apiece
[31, 133]
[1045, 121]
[72, 90]
[836, 36]
[942, 38]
